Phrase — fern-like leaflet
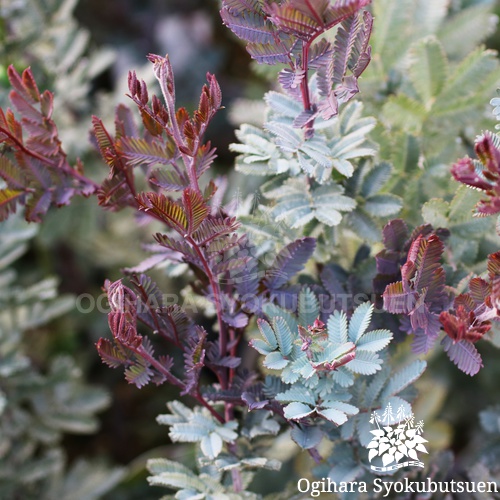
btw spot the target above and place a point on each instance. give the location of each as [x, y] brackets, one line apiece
[420, 296]
[482, 174]
[288, 33]
[34, 165]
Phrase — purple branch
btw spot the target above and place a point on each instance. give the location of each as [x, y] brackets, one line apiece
[218, 305]
[175, 381]
[64, 167]
[163, 72]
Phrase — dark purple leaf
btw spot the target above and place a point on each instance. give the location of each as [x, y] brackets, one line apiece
[422, 343]
[464, 355]
[148, 263]
[485, 176]
[249, 26]
[395, 234]
[252, 402]
[289, 261]
[320, 53]
[194, 358]
[269, 53]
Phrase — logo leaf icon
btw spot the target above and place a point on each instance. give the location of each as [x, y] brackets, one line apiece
[422, 448]
[387, 459]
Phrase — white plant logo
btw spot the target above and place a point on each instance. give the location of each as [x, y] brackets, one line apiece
[395, 438]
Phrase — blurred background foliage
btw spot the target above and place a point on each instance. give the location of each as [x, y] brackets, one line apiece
[82, 50]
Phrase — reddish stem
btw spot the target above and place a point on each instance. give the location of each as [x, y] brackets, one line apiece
[304, 88]
[65, 167]
[156, 364]
[168, 90]
[175, 381]
[304, 85]
[218, 305]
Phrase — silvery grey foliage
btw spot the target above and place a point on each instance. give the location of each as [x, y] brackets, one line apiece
[37, 407]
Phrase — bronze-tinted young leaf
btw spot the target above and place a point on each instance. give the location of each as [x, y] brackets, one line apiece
[270, 53]
[213, 228]
[114, 194]
[462, 324]
[397, 299]
[479, 290]
[194, 359]
[123, 316]
[421, 292]
[109, 354]
[170, 179]
[25, 85]
[395, 234]
[106, 145]
[8, 202]
[494, 276]
[138, 374]
[427, 259]
[484, 176]
[139, 151]
[320, 53]
[183, 251]
[302, 23]
[43, 175]
[14, 177]
[37, 205]
[231, 264]
[176, 324]
[195, 208]
[125, 125]
[164, 209]
[210, 103]
[204, 158]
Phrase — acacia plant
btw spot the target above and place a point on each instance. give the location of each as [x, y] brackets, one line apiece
[327, 363]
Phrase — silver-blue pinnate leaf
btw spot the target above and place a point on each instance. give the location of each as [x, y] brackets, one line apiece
[296, 411]
[268, 333]
[302, 367]
[262, 346]
[272, 310]
[173, 474]
[360, 320]
[283, 336]
[383, 205]
[403, 378]
[374, 341]
[307, 437]
[275, 361]
[297, 393]
[308, 307]
[286, 137]
[211, 445]
[283, 105]
[365, 363]
[337, 411]
[337, 328]
[375, 179]
[329, 203]
[342, 376]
